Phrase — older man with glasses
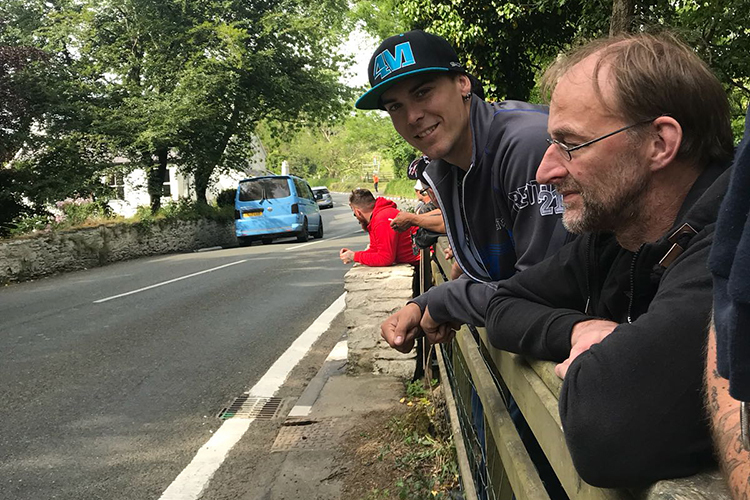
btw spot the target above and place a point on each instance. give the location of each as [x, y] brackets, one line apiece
[639, 148]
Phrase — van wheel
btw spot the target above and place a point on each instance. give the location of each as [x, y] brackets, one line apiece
[303, 235]
[319, 232]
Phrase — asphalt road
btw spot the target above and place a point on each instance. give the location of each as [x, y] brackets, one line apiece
[111, 400]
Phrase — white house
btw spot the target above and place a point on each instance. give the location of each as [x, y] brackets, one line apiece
[131, 188]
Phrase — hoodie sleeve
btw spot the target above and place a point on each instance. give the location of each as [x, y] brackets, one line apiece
[534, 312]
[383, 245]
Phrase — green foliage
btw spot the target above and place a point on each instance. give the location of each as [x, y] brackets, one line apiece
[186, 80]
[29, 224]
[508, 44]
[187, 209]
[76, 212]
[403, 188]
[345, 148]
[422, 447]
[226, 198]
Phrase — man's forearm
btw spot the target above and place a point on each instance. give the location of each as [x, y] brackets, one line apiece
[432, 221]
[725, 425]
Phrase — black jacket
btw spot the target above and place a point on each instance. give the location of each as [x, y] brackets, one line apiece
[632, 405]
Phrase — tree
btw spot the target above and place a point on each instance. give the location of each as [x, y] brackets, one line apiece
[339, 149]
[177, 81]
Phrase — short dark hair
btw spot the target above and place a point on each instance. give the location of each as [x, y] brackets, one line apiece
[655, 75]
[362, 198]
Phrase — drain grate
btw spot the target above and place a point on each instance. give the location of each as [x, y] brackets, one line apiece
[246, 406]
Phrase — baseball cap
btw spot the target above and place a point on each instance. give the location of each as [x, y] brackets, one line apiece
[404, 55]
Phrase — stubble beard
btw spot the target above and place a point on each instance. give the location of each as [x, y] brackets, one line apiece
[607, 209]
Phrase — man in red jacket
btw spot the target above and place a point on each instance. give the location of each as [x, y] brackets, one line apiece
[387, 247]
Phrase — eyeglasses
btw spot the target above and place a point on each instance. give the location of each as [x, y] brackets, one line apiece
[566, 151]
[423, 192]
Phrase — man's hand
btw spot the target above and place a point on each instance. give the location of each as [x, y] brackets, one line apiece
[346, 256]
[402, 222]
[402, 327]
[584, 335]
[437, 333]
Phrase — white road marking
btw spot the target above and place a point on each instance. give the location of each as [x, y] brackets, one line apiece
[191, 482]
[168, 282]
[321, 241]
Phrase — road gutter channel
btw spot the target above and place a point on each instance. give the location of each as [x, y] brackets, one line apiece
[192, 481]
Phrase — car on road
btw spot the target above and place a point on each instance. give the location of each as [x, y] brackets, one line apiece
[323, 196]
[275, 206]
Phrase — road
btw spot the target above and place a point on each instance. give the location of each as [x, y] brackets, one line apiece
[112, 398]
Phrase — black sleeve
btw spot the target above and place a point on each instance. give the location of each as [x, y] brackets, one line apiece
[632, 406]
[534, 311]
[461, 301]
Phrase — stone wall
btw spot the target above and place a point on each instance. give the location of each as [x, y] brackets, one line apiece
[373, 294]
[56, 252]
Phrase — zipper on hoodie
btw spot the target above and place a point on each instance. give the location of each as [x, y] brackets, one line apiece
[632, 281]
[465, 221]
[451, 242]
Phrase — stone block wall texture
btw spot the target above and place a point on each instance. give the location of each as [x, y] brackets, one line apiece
[373, 294]
[56, 252]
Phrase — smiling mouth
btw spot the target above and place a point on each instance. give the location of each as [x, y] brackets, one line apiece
[426, 132]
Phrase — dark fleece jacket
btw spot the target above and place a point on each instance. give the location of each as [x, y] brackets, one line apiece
[631, 406]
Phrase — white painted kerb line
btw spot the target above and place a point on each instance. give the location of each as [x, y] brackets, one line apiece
[168, 282]
[191, 482]
[295, 247]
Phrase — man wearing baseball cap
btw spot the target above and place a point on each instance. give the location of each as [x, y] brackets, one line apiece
[483, 164]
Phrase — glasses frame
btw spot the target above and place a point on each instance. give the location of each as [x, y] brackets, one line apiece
[566, 151]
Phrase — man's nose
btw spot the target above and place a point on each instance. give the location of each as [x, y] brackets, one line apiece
[552, 167]
[414, 113]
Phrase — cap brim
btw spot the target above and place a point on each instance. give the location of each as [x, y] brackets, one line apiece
[371, 98]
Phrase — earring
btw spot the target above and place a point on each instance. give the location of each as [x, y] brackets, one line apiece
[467, 96]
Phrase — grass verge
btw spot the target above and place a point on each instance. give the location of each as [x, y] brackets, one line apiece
[409, 455]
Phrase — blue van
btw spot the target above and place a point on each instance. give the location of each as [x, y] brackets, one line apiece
[275, 206]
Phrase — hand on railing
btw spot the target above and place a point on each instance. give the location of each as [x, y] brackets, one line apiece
[402, 328]
[437, 333]
[584, 335]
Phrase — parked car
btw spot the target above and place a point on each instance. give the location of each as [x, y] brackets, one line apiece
[323, 196]
[275, 206]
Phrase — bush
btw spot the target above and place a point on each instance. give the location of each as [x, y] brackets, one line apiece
[24, 225]
[226, 198]
[75, 212]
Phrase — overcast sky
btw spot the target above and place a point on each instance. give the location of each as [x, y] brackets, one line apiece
[361, 45]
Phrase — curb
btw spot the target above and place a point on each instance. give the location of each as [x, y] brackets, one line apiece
[334, 363]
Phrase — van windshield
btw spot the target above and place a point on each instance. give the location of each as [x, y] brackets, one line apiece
[259, 189]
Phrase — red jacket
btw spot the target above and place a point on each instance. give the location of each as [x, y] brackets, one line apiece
[387, 246]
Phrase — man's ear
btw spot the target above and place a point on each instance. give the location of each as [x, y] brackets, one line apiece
[464, 84]
[665, 142]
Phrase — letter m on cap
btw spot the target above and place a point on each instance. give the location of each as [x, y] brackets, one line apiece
[386, 63]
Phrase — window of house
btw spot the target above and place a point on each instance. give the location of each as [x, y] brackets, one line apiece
[117, 182]
[166, 187]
